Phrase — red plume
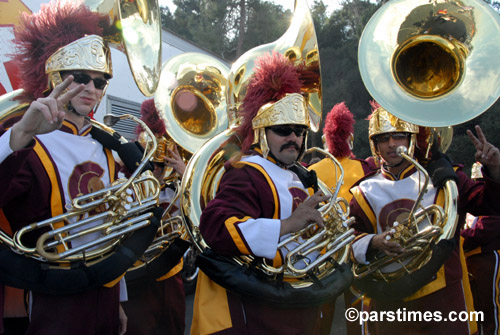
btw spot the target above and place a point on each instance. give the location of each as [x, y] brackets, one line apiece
[375, 105]
[41, 34]
[339, 125]
[274, 76]
[150, 116]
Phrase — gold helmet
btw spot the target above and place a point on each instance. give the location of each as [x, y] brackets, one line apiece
[89, 53]
[291, 109]
[383, 122]
[61, 36]
[273, 98]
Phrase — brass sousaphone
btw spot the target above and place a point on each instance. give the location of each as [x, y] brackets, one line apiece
[137, 33]
[431, 63]
[191, 98]
[206, 167]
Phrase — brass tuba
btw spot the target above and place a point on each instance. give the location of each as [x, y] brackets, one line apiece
[206, 167]
[191, 98]
[427, 63]
[138, 34]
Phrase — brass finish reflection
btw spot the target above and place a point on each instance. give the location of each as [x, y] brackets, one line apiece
[191, 97]
[137, 32]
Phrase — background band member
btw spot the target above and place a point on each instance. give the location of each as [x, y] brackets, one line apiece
[259, 201]
[339, 136]
[388, 195]
[48, 156]
[158, 305]
[481, 245]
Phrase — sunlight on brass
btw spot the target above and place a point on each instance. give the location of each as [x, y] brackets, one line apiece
[191, 97]
[299, 44]
[138, 34]
[432, 63]
[416, 240]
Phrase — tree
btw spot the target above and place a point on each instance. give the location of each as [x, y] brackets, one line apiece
[227, 27]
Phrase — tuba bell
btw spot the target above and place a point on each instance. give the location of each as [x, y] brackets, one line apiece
[422, 61]
[137, 33]
[428, 62]
[191, 98]
[206, 167]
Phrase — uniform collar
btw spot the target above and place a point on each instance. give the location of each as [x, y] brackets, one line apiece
[403, 174]
[269, 157]
[71, 128]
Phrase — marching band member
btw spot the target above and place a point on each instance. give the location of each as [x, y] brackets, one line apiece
[387, 196]
[48, 156]
[158, 305]
[481, 246]
[339, 135]
[260, 199]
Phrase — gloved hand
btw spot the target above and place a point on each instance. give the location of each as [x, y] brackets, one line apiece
[440, 169]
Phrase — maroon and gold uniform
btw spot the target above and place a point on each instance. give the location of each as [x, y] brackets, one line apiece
[244, 218]
[383, 198]
[482, 246]
[46, 175]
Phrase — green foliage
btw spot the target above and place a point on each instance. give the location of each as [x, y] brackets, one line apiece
[227, 27]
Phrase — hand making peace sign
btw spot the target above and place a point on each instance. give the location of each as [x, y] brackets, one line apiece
[44, 115]
[486, 153]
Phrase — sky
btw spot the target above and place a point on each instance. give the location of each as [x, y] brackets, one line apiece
[287, 4]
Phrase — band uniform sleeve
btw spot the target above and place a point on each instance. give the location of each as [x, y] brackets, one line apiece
[485, 233]
[478, 197]
[364, 225]
[241, 218]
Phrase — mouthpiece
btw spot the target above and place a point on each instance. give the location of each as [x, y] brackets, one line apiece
[401, 150]
[110, 120]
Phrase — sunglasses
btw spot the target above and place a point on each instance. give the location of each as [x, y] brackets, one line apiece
[395, 136]
[83, 78]
[287, 130]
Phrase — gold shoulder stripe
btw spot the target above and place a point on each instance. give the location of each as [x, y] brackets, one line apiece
[111, 164]
[55, 195]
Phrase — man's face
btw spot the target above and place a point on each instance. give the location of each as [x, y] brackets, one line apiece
[86, 100]
[387, 145]
[285, 141]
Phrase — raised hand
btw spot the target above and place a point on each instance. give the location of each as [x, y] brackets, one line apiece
[44, 115]
[175, 161]
[486, 153]
[305, 214]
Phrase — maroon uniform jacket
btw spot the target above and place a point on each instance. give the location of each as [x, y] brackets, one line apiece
[446, 292]
[249, 197]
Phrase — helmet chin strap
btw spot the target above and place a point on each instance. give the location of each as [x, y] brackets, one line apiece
[74, 111]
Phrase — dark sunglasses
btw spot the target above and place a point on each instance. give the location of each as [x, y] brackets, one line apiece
[83, 78]
[287, 130]
[395, 136]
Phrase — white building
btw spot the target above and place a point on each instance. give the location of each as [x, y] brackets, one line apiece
[122, 95]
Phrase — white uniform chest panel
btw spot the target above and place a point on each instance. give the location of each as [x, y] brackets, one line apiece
[285, 182]
[81, 163]
[392, 200]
